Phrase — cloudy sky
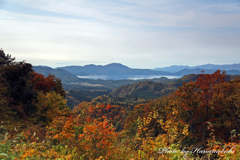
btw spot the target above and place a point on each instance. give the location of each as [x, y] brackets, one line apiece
[136, 33]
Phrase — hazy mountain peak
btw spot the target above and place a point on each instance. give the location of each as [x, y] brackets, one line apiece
[90, 65]
[116, 65]
[42, 66]
[209, 66]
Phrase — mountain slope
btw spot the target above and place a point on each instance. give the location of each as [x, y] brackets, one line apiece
[172, 69]
[64, 75]
[177, 68]
[233, 72]
[111, 69]
[186, 78]
[145, 89]
[194, 71]
[206, 71]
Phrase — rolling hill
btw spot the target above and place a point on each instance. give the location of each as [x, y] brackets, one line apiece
[150, 89]
[141, 89]
[64, 75]
[205, 67]
[111, 69]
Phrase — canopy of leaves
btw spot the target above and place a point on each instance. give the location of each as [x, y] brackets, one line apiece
[47, 84]
[5, 59]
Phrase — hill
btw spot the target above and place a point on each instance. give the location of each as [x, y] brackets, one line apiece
[186, 78]
[150, 89]
[205, 67]
[206, 71]
[172, 69]
[194, 71]
[111, 69]
[145, 89]
[71, 81]
[233, 72]
[64, 75]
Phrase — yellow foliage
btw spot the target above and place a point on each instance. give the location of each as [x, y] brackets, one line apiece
[51, 105]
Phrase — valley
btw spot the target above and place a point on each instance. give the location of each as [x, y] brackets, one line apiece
[117, 80]
[54, 109]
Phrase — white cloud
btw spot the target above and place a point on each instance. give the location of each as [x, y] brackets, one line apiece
[138, 33]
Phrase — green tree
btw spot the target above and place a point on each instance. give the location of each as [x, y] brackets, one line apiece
[19, 92]
[5, 59]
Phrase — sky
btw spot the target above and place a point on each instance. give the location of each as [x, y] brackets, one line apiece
[137, 33]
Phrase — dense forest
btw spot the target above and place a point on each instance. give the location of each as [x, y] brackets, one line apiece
[199, 120]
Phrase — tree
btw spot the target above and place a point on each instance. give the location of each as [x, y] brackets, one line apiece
[4, 109]
[50, 105]
[5, 59]
[98, 137]
[225, 103]
[182, 113]
[19, 92]
[206, 83]
[19, 87]
[190, 107]
[47, 84]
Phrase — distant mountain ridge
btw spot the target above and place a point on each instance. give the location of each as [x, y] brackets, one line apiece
[64, 75]
[207, 67]
[111, 69]
[119, 69]
[70, 73]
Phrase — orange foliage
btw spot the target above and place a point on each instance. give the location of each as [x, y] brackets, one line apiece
[62, 128]
[108, 107]
[98, 138]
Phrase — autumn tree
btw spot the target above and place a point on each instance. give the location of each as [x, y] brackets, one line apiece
[206, 83]
[115, 113]
[50, 105]
[181, 113]
[20, 89]
[98, 137]
[190, 107]
[47, 84]
[19, 92]
[4, 109]
[225, 103]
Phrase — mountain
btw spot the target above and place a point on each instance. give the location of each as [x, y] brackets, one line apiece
[111, 69]
[177, 68]
[163, 80]
[194, 71]
[226, 67]
[233, 72]
[69, 74]
[150, 89]
[64, 75]
[186, 78]
[206, 71]
[142, 89]
[172, 69]
[193, 77]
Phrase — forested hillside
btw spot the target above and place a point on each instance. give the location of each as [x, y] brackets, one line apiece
[200, 120]
[138, 88]
[64, 75]
[150, 89]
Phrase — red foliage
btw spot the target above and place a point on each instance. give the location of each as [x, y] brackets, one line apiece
[108, 107]
[206, 83]
[47, 84]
